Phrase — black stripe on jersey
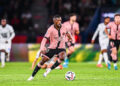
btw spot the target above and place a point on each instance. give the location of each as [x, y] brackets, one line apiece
[47, 38]
[59, 37]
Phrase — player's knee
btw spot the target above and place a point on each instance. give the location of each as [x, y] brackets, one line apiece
[44, 66]
[62, 56]
[44, 59]
[103, 51]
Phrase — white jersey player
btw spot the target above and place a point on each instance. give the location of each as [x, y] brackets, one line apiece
[6, 36]
[103, 41]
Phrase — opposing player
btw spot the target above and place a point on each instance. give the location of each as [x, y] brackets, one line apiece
[7, 34]
[56, 33]
[73, 28]
[114, 37]
[103, 41]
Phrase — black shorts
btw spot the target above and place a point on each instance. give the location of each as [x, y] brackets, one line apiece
[52, 52]
[115, 43]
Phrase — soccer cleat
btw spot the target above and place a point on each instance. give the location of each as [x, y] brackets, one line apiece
[3, 65]
[115, 67]
[109, 66]
[30, 78]
[106, 65]
[99, 65]
[47, 72]
[65, 65]
[61, 67]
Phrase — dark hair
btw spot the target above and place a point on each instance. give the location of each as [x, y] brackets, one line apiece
[3, 18]
[116, 15]
[72, 14]
[106, 17]
[56, 16]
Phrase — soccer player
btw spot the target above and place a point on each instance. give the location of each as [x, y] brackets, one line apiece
[103, 41]
[56, 33]
[114, 37]
[73, 28]
[7, 34]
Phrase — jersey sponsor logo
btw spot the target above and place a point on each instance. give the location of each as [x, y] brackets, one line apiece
[4, 35]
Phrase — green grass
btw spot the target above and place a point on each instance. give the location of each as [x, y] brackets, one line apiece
[17, 73]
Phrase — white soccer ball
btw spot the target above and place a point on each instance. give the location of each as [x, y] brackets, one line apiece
[70, 76]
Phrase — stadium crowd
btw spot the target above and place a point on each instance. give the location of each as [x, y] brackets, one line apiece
[20, 17]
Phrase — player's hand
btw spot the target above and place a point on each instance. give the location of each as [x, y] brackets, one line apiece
[93, 41]
[43, 52]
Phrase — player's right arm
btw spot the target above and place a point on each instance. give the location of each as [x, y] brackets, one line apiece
[95, 35]
[44, 40]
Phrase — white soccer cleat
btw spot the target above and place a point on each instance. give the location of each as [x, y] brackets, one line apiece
[30, 78]
[47, 72]
[3, 65]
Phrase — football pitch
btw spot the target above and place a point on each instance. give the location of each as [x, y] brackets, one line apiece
[87, 74]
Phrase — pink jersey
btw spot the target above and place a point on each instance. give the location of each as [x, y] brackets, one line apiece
[72, 28]
[114, 30]
[57, 37]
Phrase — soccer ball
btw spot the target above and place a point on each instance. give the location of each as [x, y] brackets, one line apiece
[70, 76]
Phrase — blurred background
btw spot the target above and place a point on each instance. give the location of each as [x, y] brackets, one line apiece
[31, 18]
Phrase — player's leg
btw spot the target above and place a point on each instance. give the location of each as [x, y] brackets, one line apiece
[2, 55]
[45, 58]
[71, 49]
[52, 61]
[38, 67]
[114, 49]
[61, 56]
[105, 56]
[8, 49]
[100, 60]
[114, 57]
[109, 56]
[104, 51]
[101, 55]
[44, 66]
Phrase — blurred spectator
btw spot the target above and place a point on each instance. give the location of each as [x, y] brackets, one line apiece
[27, 15]
[15, 22]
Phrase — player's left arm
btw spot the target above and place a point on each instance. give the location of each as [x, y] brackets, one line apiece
[12, 33]
[69, 36]
[77, 31]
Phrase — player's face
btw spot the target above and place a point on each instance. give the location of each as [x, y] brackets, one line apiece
[57, 21]
[117, 19]
[107, 20]
[3, 22]
[73, 18]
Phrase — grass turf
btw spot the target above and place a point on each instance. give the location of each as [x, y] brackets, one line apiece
[87, 74]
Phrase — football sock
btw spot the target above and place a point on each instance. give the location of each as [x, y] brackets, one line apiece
[105, 56]
[2, 58]
[100, 59]
[115, 64]
[55, 65]
[35, 70]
